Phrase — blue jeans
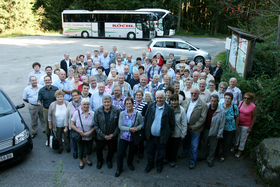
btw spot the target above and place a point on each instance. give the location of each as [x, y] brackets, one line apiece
[191, 141]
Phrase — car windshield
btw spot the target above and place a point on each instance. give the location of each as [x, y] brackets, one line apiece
[5, 105]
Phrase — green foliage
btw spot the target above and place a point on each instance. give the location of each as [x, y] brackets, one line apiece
[58, 179]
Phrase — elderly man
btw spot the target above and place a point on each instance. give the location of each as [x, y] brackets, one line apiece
[170, 71]
[105, 62]
[192, 64]
[237, 94]
[130, 63]
[208, 63]
[159, 126]
[181, 94]
[94, 70]
[124, 56]
[36, 73]
[65, 63]
[204, 94]
[96, 98]
[46, 96]
[101, 51]
[213, 130]
[95, 58]
[195, 79]
[142, 85]
[114, 60]
[30, 95]
[113, 53]
[93, 85]
[196, 110]
[119, 65]
[48, 71]
[125, 87]
[135, 79]
[88, 56]
[183, 60]
[118, 98]
[100, 76]
[64, 85]
[106, 119]
[127, 75]
[208, 75]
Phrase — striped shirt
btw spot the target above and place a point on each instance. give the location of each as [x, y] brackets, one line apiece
[141, 107]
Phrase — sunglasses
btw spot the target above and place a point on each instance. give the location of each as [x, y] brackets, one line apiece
[248, 98]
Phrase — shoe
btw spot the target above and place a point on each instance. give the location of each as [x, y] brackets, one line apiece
[81, 167]
[33, 135]
[148, 169]
[172, 164]
[222, 159]
[75, 155]
[182, 156]
[99, 165]
[68, 150]
[200, 159]
[192, 165]
[89, 164]
[210, 164]
[159, 169]
[117, 174]
[47, 143]
[140, 156]
[109, 165]
[59, 151]
[131, 167]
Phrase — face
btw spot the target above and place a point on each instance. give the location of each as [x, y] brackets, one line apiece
[47, 81]
[195, 76]
[177, 77]
[186, 74]
[126, 69]
[106, 53]
[139, 62]
[100, 71]
[119, 61]
[227, 100]
[144, 55]
[81, 58]
[36, 68]
[62, 75]
[155, 79]
[182, 67]
[176, 87]
[73, 61]
[143, 81]
[114, 49]
[168, 94]
[247, 99]
[222, 89]
[129, 57]
[148, 98]
[194, 94]
[66, 56]
[163, 73]
[101, 49]
[128, 105]
[138, 96]
[89, 63]
[48, 71]
[80, 70]
[85, 80]
[174, 103]
[207, 62]
[97, 64]
[199, 67]
[168, 65]
[154, 63]
[70, 73]
[124, 55]
[202, 86]
[33, 81]
[160, 99]
[136, 75]
[88, 55]
[76, 78]
[171, 56]
[182, 61]
[191, 65]
[95, 53]
[114, 73]
[211, 86]
[188, 83]
[59, 98]
[202, 77]
[76, 97]
[85, 106]
[214, 102]
[158, 56]
[107, 104]
[232, 82]
[110, 81]
[166, 80]
[117, 91]
[93, 83]
[121, 79]
[206, 70]
[219, 64]
[141, 71]
[101, 88]
[147, 61]
[85, 89]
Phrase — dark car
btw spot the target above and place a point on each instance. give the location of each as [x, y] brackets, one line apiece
[15, 139]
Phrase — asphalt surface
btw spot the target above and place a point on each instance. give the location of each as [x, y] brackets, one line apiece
[36, 169]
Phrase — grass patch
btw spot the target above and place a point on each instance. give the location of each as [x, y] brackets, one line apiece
[16, 33]
[183, 32]
[220, 57]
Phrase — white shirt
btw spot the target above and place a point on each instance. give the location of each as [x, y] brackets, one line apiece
[54, 78]
[120, 69]
[60, 114]
[171, 73]
[209, 77]
[190, 109]
[92, 91]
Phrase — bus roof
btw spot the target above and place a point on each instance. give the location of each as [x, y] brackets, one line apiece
[153, 10]
[105, 12]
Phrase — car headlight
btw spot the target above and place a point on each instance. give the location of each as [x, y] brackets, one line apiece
[21, 136]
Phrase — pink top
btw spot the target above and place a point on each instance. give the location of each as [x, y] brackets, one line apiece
[108, 89]
[245, 114]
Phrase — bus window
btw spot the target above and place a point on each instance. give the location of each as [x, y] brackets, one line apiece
[100, 17]
[138, 24]
[160, 24]
[84, 17]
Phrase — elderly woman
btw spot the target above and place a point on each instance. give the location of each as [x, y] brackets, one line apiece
[114, 75]
[154, 69]
[80, 71]
[147, 65]
[76, 81]
[56, 118]
[159, 60]
[163, 73]
[199, 68]
[148, 97]
[179, 79]
[166, 82]
[247, 119]
[188, 87]
[232, 119]
[130, 121]
[212, 87]
[109, 85]
[186, 74]
[222, 89]
[171, 57]
[218, 72]
[70, 75]
[82, 123]
[73, 105]
[154, 84]
[179, 133]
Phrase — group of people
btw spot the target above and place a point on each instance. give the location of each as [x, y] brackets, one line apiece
[111, 100]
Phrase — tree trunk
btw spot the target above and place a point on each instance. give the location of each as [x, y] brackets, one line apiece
[216, 24]
[278, 41]
[179, 15]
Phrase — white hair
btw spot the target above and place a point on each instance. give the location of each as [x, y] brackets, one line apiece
[85, 100]
[160, 92]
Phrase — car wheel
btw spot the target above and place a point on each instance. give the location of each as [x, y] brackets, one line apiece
[198, 60]
[131, 36]
[85, 34]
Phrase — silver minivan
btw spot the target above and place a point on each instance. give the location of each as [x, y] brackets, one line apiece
[178, 47]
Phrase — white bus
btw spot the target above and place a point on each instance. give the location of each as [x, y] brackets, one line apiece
[108, 23]
[164, 24]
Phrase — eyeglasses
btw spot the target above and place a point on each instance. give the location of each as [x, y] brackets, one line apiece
[247, 98]
[223, 88]
[193, 93]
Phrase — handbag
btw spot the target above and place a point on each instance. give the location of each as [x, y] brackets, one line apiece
[138, 136]
[53, 141]
[74, 135]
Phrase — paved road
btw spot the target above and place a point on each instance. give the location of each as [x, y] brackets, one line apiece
[17, 56]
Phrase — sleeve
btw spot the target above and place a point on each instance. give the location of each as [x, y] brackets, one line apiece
[172, 122]
[184, 124]
[91, 104]
[202, 118]
[67, 117]
[24, 94]
[222, 125]
[144, 110]
[97, 127]
[129, 90]
[51, 108]
[121, 122]
[75, 116]
[236, 110]
[40, 95]
[70, 86]
[140, 122]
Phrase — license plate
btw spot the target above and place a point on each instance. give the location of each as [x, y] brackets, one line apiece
[6, 157]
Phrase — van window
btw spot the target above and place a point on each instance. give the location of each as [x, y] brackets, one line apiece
[182, 45]
[159, 44]
[170, 44]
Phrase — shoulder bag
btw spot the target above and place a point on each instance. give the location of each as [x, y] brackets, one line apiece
[74, 135]
[138, 136]
[53, 141]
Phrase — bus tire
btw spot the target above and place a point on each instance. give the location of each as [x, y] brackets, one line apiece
[84, 34]
[131, 36]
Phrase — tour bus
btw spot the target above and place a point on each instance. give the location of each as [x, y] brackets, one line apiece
[164, 24]
[108, 23]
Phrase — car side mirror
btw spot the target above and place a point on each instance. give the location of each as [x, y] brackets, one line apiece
[20, 106]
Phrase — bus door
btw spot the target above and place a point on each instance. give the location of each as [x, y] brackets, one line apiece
[101, 24]
[166, 25]
[139, 32]
[145, 28]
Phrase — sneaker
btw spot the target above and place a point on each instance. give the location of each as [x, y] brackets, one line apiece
[192, 165]
[47, 143]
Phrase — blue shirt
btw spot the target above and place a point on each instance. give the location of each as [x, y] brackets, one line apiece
[112, 55]
[105, 62]
[131, 64]
[126, 89]
[156, 126]
[139, 87]
[95, 59]
[96, 100]
[31, 94]
[230, 120]
[67, 85]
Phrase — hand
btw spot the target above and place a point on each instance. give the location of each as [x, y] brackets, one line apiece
[65, 129]
[111, 136]
[107, 137]
[249, 130]
[39, 103]
[50, 126]
[81, 133]
[86, 134]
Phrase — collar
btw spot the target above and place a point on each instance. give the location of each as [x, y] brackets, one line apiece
[162, 107]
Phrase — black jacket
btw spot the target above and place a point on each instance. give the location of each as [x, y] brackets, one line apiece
[167, 122]
[218, 75]
[63, 65]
